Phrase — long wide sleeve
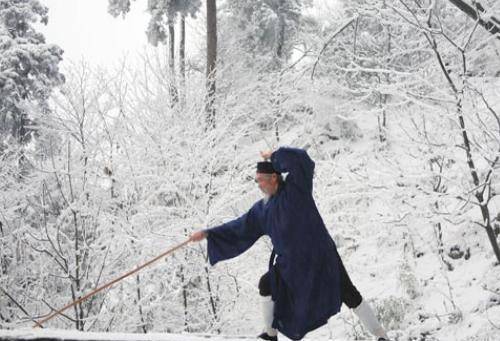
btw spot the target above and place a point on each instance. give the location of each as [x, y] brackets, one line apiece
[234, 237]
[298, 165]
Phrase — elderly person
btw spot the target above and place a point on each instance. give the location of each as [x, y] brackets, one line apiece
[306, 282]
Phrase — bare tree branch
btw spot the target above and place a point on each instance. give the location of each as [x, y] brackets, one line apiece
[325, 45]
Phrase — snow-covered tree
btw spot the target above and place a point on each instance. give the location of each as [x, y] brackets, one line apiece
[161, 29]
[29, 67]
[266, 30]
[55, 219]
[163, 13]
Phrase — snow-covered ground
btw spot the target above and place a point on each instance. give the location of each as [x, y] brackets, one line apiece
[45, 334]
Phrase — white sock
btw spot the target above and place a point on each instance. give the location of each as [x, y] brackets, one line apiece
[369, 320]
[268, 315]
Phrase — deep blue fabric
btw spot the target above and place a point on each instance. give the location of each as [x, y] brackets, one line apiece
[305, 281]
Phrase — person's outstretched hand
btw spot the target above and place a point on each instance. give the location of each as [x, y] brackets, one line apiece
[198, 236]
[266, 154]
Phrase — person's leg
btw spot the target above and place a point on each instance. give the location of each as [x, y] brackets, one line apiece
[267, 306]
[353, 299]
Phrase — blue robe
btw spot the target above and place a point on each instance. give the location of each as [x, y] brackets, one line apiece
[305, 279]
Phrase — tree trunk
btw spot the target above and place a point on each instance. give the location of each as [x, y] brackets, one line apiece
[382, 118]
[182, 61]
[185, 295]
[174, 97]
[139, 303]
[213, 304]
[22, 129]
[211, 62]
[280, 39]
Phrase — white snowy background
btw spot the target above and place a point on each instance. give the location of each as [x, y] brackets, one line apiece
[114, 170]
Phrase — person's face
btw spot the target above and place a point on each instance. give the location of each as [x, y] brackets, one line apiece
[267, 182]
